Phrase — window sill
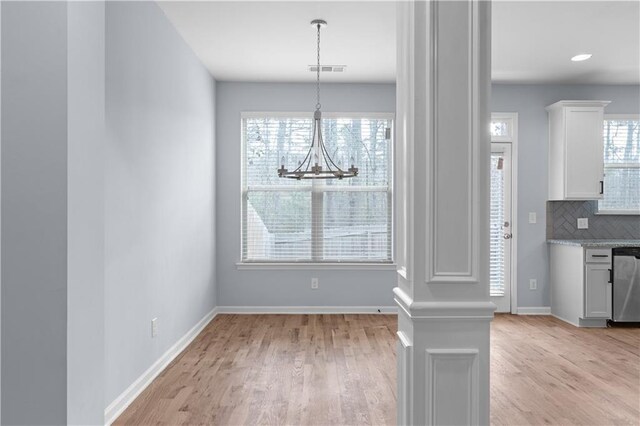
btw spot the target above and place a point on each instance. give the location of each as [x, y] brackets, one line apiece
[617, 213]
[354, 266]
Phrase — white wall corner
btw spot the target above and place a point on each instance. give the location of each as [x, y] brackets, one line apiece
[118, 405]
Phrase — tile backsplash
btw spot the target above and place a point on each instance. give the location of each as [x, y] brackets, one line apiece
[562, 222]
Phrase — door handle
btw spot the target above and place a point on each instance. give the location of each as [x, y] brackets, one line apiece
[601, 187]
[507, 236]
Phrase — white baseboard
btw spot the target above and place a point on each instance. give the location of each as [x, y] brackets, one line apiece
[538, 310]
[307, 309]
[116, 408]
[565, 320]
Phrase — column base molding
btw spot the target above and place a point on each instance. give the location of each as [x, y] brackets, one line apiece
[443, 310]
[443, 361]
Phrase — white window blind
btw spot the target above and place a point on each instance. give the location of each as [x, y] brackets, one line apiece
[288, 220]
[621, 166]
[496, 248]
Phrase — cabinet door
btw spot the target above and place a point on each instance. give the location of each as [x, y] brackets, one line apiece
[584, 156]
[597, 292]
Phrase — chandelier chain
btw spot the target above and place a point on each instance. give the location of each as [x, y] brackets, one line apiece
[318, 73]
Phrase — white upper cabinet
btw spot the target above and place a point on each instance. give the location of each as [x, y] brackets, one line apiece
[576, 152]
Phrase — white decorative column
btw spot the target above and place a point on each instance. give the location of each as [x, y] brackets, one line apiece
[442, 210]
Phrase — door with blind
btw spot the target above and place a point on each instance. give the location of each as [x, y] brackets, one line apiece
[501, 226]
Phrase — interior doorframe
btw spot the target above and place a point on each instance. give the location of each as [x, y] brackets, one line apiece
[512, 138]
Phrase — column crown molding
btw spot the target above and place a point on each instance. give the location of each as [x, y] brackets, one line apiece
[443, 310]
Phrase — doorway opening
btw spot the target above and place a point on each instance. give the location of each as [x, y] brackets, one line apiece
[503, 217]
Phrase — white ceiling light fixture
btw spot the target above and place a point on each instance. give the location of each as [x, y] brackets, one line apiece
[317, 153]
[581, 57]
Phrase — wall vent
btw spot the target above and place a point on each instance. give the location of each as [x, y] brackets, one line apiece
[328, 68]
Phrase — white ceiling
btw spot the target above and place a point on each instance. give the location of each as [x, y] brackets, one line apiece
[532, 41]
[274, 41]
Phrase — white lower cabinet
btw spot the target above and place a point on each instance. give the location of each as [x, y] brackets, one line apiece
[580, 287]
[597, 303]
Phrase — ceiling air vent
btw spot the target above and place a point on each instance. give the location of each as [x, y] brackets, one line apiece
[328, 68]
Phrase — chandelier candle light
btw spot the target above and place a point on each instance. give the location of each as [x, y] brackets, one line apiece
[317, 151]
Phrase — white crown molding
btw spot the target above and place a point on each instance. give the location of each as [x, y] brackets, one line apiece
[560, 104]
[307, 310]
[478, 310]
[125, 399]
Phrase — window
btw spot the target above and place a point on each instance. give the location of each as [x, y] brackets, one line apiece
[621, 165]
[501, 129]
[286, 220]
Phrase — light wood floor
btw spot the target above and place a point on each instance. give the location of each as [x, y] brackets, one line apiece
[340, 369]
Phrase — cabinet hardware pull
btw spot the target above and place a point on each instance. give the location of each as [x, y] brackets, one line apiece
[601, 187]
[599, 255]
[611, 276]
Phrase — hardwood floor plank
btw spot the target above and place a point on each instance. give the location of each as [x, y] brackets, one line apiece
[341, 369]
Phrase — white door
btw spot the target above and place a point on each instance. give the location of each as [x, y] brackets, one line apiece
[501, 226]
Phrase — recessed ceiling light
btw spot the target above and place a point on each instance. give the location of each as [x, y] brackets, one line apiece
[581, 57]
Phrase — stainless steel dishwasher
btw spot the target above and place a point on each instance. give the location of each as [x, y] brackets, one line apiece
[626, 284]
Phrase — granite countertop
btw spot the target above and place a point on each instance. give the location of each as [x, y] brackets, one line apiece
[597, 243]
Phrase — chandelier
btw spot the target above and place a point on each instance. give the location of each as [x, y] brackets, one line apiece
[317, 164]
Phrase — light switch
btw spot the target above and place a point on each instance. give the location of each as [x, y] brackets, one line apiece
[533, 218]
[583, 223]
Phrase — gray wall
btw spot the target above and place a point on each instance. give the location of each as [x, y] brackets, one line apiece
[85, 204]
[159, 192]
[529, 102]
[285, 287]
[34, 212]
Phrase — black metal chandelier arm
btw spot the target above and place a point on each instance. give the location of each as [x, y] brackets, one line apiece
[307, 160]
[327, 158]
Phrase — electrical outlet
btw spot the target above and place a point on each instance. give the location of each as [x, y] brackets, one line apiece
[583, 223]
[533, 284]
[533, 217]
[154, 327]
[314, 283]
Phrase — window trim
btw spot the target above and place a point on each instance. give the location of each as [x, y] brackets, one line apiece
[287, 265]
[605, 212]
[320, 264]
